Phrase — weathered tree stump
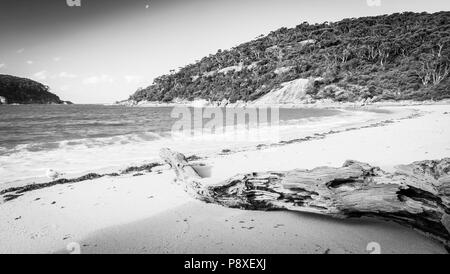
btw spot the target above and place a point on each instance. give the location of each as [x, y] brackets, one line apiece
[416, 195]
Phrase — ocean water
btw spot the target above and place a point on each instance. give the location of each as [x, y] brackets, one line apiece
[78, 138]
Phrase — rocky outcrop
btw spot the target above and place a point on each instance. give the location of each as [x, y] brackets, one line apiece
[416, 195]
[290, 92]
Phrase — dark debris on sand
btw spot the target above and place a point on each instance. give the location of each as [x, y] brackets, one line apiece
[146, 167]
[193, 158]
[15, 192]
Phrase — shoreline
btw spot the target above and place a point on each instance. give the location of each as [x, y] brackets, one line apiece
[8, 189]
[150, 214]
[319, 104]
[121, 156]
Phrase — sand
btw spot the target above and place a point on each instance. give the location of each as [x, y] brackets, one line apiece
[152, 214]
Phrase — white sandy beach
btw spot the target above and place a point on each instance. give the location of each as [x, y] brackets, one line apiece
[151, 214]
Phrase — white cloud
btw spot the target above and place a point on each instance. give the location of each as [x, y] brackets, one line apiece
[133, 78]
[67, 75]
[56, 59]
[20, 50]
[100, 79]
[2, 66]
[41, 75]
[29, 62]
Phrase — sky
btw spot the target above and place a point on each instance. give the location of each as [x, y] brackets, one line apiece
[103, 50]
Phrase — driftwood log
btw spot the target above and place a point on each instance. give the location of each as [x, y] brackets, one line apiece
[416, 195]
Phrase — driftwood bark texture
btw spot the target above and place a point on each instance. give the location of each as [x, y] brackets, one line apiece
[416, 195]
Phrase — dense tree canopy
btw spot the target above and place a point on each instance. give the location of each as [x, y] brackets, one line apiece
[398, 56]
[25, 91]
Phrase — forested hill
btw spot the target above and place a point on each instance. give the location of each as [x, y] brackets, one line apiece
[16, 90]
[398, 56]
